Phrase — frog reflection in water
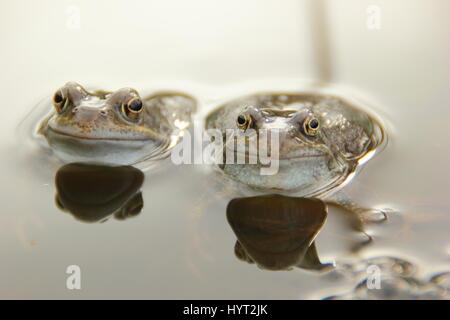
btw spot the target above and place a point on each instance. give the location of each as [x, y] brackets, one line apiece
[277, 232]
[94, 193]
[114, 127]
[322, 140]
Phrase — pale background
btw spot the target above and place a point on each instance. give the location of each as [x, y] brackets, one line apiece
[219, 49]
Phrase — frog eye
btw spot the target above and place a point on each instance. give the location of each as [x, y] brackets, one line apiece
[59, 100]
[132, 108]
[311, 126]
[244, 121]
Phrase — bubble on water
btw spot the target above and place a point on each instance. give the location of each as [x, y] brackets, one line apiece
[442, 280]
[375, 215]
[397, 280]
[340, 272]
[393, 265]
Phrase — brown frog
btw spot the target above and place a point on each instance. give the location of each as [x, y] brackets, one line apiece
[116, 127]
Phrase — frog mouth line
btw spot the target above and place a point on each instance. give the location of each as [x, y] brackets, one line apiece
[96, 138]
[256, 156]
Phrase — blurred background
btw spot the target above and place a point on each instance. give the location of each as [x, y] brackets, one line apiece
[394, 55]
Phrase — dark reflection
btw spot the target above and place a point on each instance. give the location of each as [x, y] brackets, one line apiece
[93, 193]
[277, 232]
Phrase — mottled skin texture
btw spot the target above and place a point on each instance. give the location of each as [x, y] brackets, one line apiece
[100, 126]
[310, 164]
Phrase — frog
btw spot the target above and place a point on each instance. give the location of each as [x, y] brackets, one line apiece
[114, 128]
[322, 141]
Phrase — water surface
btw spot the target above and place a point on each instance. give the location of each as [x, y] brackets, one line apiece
[181, 245]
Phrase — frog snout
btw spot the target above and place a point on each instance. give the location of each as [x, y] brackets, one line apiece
[86, 115]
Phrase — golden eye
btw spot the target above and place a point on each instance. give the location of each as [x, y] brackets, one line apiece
[59, 100]
[132, 108]
[244, 121]
[311, 126]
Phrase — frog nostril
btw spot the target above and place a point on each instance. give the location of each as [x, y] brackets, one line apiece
[84, 115]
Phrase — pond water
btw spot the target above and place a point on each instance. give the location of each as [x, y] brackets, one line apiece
[181, 245]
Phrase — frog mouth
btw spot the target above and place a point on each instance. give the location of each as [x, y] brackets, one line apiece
[283, 158]
[99, 138]
[288, 147]
[305, 155]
